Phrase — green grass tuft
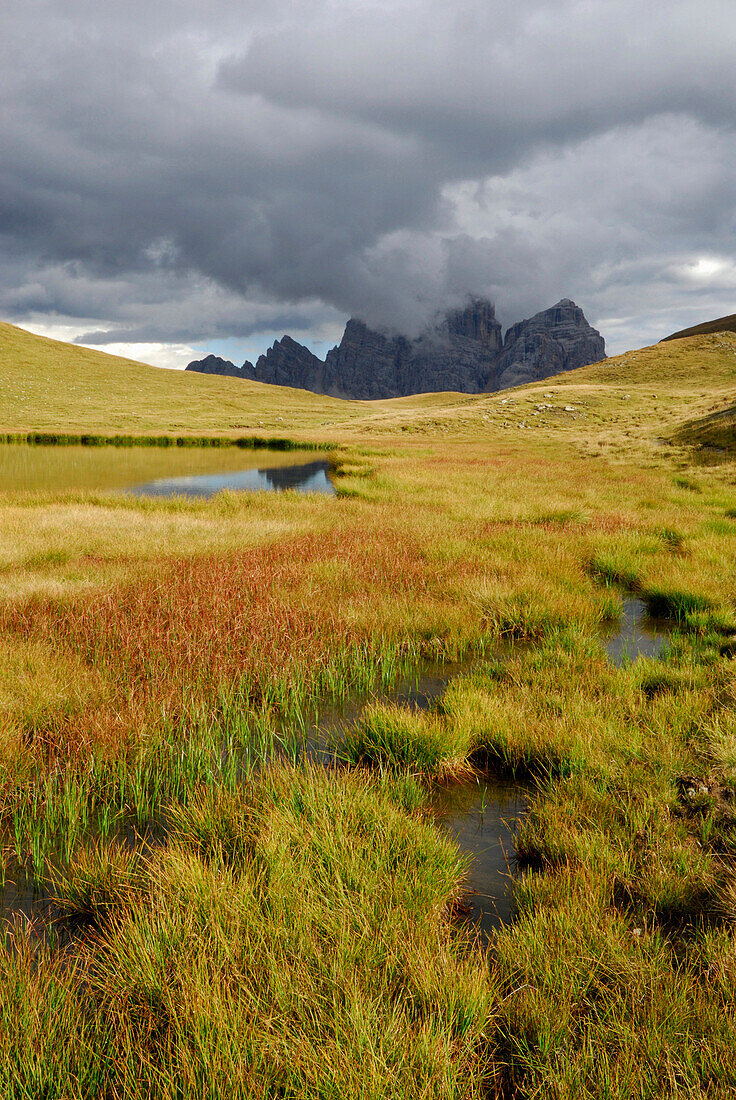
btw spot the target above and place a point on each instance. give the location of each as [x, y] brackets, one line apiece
[402, 739]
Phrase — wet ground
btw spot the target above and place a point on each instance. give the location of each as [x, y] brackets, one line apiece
[481, 814]
[636, 634]
[483, 817]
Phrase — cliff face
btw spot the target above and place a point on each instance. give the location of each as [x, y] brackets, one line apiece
[550, 342]
[456, 354]
[288, 363]
[347, 373]
[463, 351]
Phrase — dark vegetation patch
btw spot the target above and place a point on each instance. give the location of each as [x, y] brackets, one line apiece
[710, 435]
[683, 609]
[720, 324]
[249, 442]
[674, 604]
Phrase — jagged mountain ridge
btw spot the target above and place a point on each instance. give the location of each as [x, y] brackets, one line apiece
[464, 351]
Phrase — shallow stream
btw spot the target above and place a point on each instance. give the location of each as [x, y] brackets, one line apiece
[481, 814]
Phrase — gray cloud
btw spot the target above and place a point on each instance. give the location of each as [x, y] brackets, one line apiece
[183, 173]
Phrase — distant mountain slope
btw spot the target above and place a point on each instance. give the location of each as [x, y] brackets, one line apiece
[51, 386]
[649, 394]
[464, 351]
[721, 324]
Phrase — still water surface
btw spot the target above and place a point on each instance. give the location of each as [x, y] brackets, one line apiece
[636, 634]
[309, 477]
[159, 471]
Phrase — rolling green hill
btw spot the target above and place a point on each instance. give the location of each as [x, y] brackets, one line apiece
[48, 385]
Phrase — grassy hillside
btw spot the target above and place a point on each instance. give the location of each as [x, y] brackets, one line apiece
[721, 324]
[46, 385]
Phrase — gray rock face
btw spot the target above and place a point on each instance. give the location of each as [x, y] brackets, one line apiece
[347, 373]
[550, 342]
[213, 364]
[288, 363]
[462, 351]
[455, 354]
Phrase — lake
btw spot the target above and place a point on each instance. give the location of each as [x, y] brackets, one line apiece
[159, 471]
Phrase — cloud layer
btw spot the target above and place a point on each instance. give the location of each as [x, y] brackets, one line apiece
[182, 174]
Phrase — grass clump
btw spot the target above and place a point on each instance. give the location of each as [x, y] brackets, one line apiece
[619, 567]
[213, 823]
[51, 1045]
[413, 740]
[673, 540]
[323, 965]
[675, 604]
[101, 880]
[523, 722]
[601, 1003]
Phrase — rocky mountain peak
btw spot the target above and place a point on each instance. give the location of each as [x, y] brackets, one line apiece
[465, 351]
[289, 363]
[555, 340]
[477, 321]
[214, 364]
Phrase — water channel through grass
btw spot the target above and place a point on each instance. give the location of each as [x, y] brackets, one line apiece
[481, 812]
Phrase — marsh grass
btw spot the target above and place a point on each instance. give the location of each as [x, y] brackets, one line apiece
[634, 1013]
[101, 879]
[307, 954]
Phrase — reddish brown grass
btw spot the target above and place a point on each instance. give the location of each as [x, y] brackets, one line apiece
[209, 622]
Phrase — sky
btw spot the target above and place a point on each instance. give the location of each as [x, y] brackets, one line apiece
[185, 177]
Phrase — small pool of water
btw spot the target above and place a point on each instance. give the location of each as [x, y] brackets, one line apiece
[636, 634]
[158, 471]
[482, 817]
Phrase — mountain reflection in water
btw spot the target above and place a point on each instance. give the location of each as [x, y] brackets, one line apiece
[309, 477]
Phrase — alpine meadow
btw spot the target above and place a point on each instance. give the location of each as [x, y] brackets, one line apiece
[220, 900]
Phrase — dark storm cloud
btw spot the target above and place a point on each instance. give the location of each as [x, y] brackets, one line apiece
[179, 172]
